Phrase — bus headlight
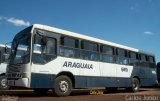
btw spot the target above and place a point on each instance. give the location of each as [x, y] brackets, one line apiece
[154, 72]
[24, 75]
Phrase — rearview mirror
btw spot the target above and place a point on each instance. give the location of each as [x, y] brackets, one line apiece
[8, 47]
[37, 49]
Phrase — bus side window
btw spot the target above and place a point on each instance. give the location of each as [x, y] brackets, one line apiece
[151, 59]
[122, 57]
[151, 62]
[69, 47]
[51, 46]
[143, 58]
[89, 50]
[133, 58]
[107, 53]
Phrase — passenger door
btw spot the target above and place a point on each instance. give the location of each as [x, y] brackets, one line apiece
[44, 51]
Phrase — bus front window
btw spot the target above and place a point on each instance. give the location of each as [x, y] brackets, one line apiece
[20, 50]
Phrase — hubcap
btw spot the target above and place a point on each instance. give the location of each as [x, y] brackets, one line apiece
[135, 86]
[4, 83]
[63, 86]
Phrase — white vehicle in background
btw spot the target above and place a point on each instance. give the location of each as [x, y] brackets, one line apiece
[4, 58]
[3, 65]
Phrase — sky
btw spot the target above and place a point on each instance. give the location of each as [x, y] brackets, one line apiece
[134, 23]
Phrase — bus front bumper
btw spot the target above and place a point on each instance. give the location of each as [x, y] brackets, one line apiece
[20, 82]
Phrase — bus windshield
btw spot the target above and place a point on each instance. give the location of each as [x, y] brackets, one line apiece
[20, 52]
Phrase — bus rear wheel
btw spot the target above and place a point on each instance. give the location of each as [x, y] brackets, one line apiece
[63, 86]
[135, 85]
[3, 83]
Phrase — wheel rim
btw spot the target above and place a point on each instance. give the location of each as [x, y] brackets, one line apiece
[135, 85]
[4, 83]
[63, 86]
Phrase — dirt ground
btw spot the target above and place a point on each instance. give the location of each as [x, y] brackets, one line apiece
[145, 94]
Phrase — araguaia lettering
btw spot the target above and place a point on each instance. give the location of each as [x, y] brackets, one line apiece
[77, 65]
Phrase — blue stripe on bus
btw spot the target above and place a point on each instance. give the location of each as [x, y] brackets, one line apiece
[85, 81]
[42, 80]
[47, 81]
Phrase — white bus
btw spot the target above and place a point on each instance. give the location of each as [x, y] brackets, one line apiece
[4, 58]
[3, 65]
[62, 60]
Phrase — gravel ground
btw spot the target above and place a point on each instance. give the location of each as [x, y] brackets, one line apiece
[145, 94]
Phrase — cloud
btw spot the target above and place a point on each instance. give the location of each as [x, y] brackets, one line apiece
[132, 8]
[18, 22]
[148, 33]
[15, 21]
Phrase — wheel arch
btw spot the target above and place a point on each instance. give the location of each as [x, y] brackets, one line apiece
[69, 74]
[137, 78]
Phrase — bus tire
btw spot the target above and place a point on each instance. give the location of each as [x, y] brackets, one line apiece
[63, 86]
[135, 85]
[3, 83]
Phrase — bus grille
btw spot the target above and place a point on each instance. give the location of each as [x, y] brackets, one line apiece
[13, 75]
[12, 69]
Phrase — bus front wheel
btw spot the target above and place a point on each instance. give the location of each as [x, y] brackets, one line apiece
[3, 83]
[63, 86]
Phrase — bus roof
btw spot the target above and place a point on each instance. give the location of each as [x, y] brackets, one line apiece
[77, 35]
